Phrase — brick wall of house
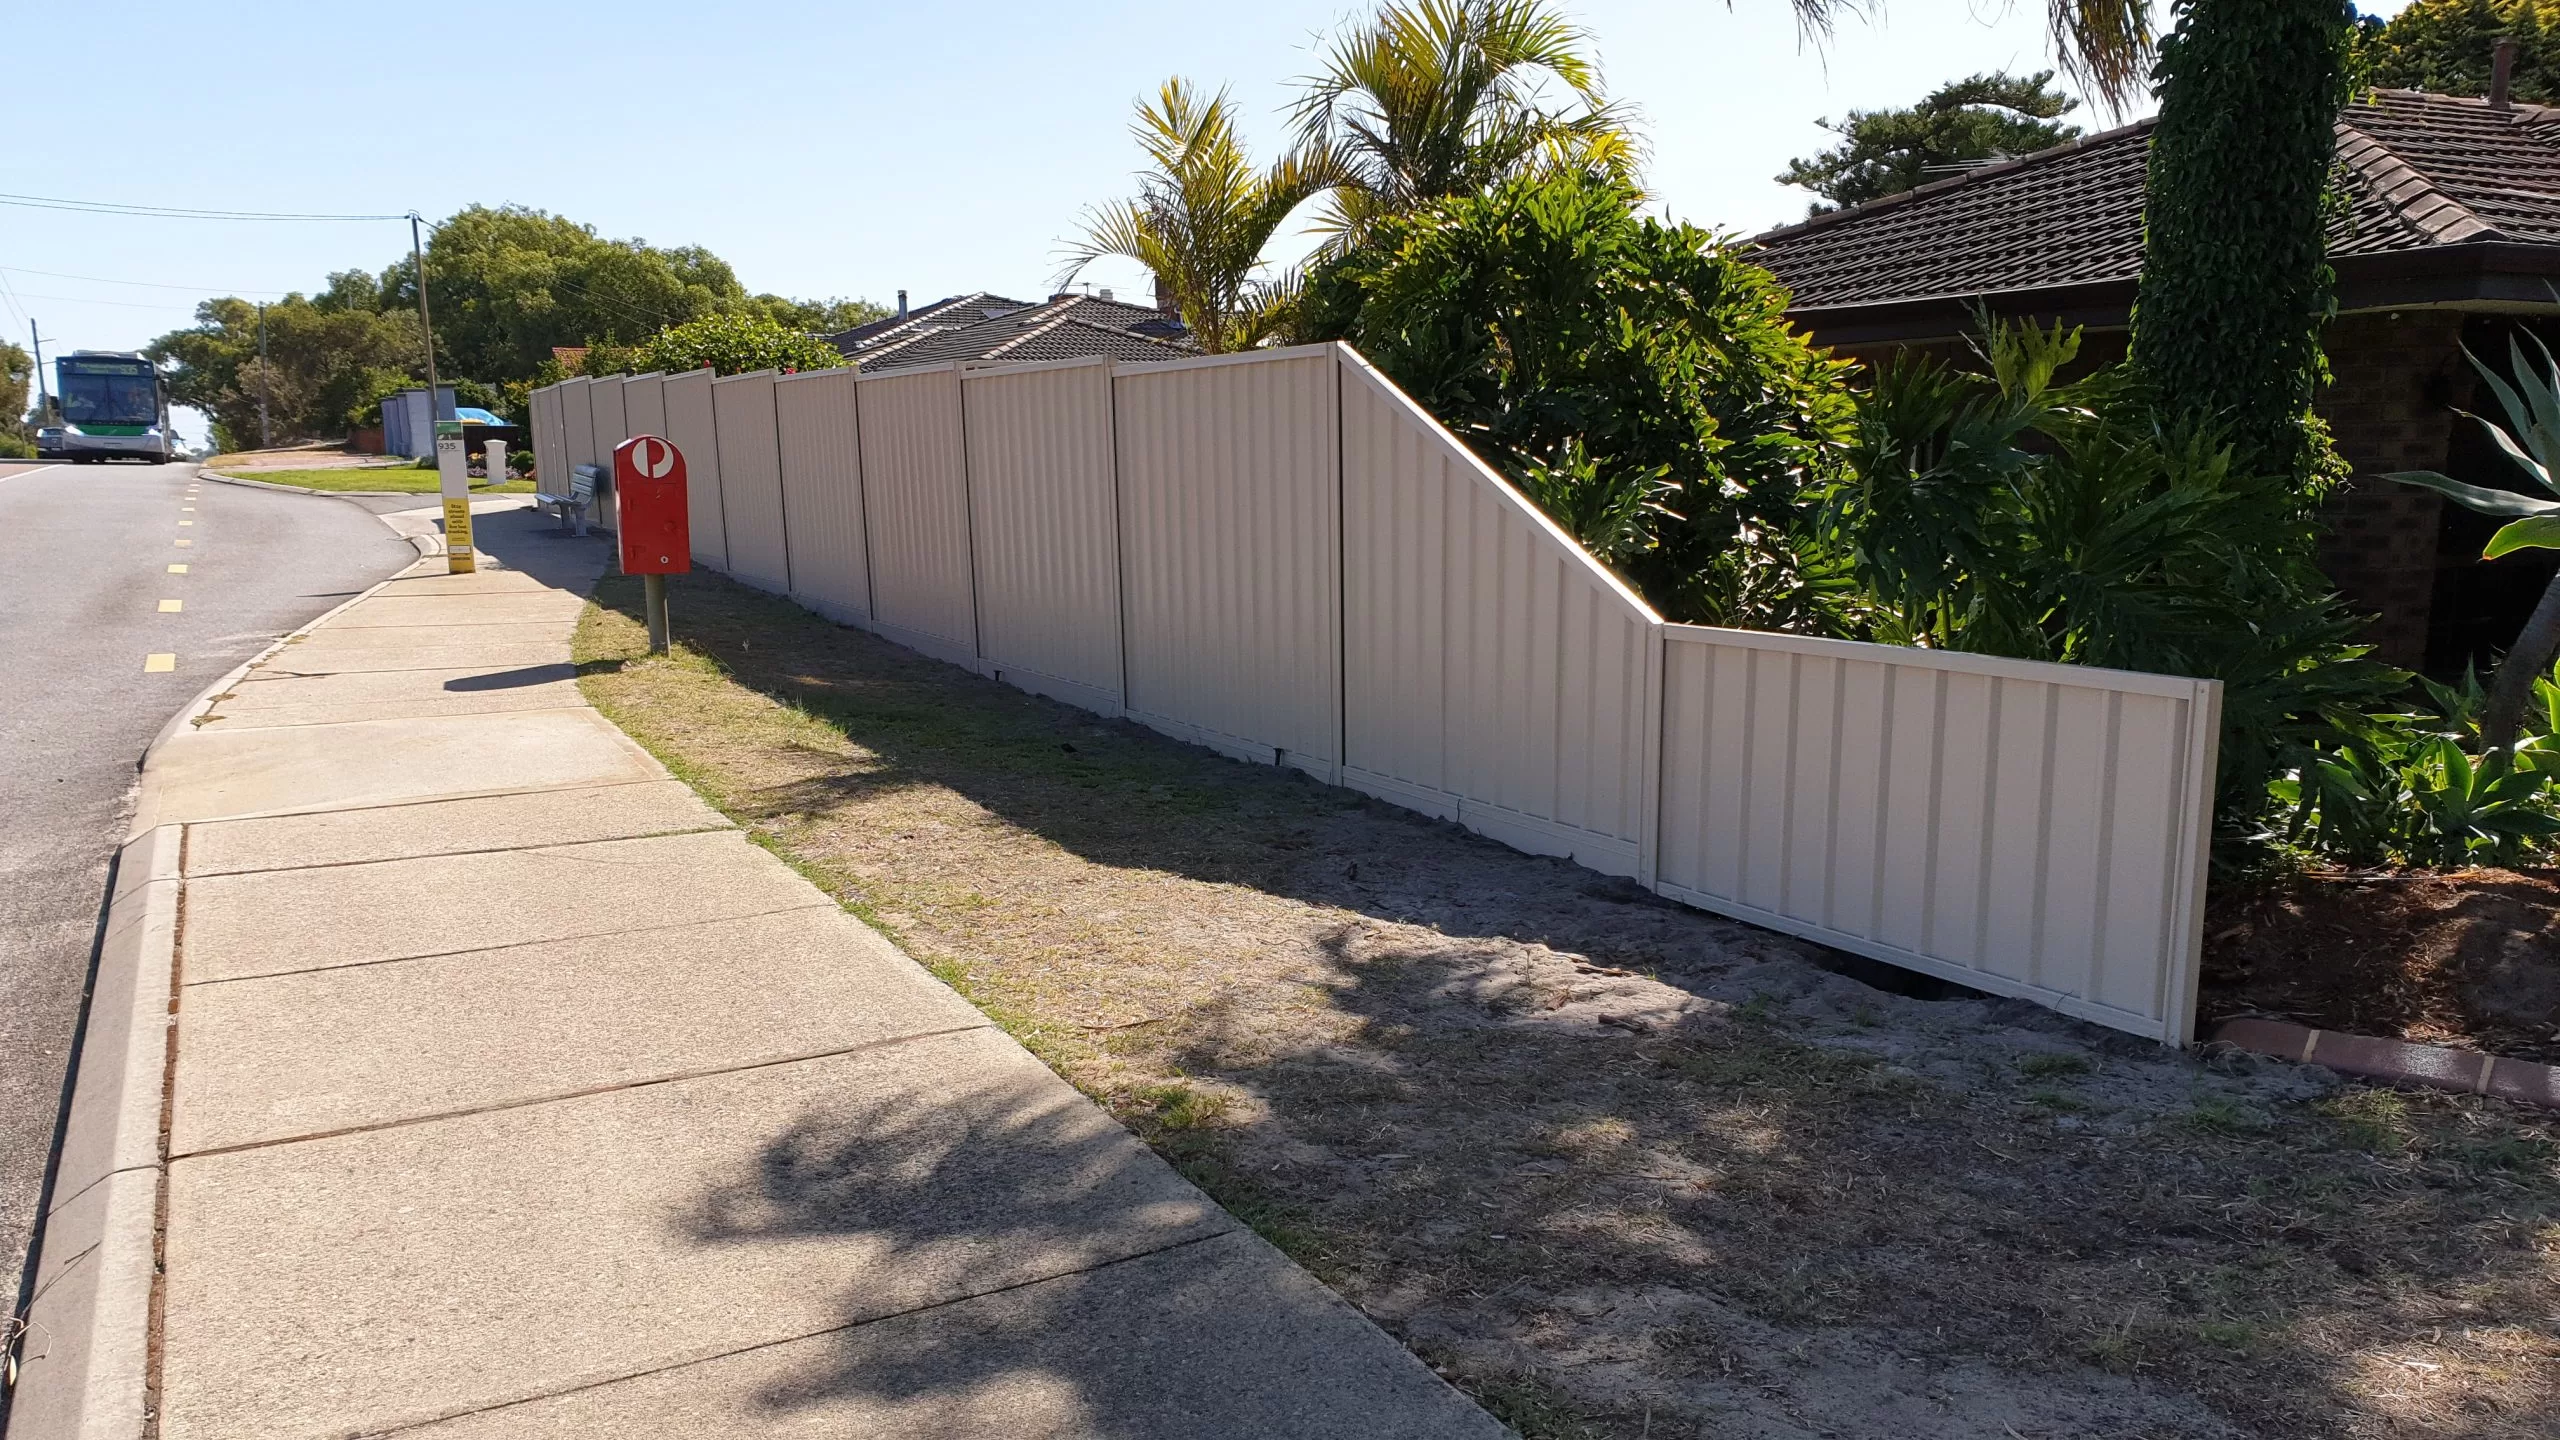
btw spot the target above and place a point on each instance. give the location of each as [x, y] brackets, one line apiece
[2387, 406]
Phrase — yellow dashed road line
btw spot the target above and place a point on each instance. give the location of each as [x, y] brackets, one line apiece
[186, 522]
[177, 569]
[186, 542]
[171, 607]
[154, 664]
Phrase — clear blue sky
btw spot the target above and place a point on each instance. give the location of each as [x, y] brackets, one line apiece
[822, 149]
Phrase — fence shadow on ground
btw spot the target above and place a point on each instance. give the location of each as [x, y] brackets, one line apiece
[1730, 1184]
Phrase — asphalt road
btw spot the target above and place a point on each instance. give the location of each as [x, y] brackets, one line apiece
[85, 586]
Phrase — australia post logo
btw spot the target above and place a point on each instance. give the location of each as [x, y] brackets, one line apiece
[652, 458]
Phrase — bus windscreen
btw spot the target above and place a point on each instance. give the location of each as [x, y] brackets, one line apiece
[110, 398]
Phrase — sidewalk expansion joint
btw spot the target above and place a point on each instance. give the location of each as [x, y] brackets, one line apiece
[693, 1360]
[528, 1102]
[819, 904]
[451, 854]
[412, 801]
[234, 724]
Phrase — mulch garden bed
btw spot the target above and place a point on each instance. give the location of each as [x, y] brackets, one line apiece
[2467, 958]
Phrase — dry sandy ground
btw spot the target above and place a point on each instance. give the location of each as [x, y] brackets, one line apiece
[1617, 1167]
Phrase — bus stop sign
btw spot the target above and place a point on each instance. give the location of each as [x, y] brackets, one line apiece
[648, 486]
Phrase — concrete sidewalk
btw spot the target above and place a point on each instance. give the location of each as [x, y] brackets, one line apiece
[485, 1082]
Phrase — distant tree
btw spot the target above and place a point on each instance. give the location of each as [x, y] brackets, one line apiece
[1961, 123]
[818, 317]
[507, 284]
[2445, 46]
[324, 358]
[17, 386]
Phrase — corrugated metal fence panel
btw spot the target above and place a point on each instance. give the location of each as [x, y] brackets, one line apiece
[1493, 672]
[915, 493]
[644, 405]
[2027, 829]
[695, 433]
[604, 406]
[550, 456]
[821, 445]
[578, 422]
[751, 479]
[1043, 517]
[1230, 530]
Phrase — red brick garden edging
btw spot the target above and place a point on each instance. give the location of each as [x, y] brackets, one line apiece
[2437, 1066]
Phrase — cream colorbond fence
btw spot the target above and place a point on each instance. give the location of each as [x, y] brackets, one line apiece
[1281, 556]
[821, 451]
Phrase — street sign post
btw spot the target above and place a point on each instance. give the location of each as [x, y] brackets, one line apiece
[650, 527]
[453, 485]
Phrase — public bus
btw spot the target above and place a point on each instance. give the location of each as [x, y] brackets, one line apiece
[109, 405]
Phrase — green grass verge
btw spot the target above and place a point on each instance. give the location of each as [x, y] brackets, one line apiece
[402, 478]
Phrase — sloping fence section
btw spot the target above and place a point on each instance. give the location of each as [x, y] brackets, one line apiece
[1282, 557]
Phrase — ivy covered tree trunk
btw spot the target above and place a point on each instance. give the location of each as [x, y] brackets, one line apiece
[2235, 280]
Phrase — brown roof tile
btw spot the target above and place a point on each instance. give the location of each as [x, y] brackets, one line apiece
[2420, 170]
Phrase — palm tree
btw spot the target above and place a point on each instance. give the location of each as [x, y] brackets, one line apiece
[1203, 216]
[1434, 98]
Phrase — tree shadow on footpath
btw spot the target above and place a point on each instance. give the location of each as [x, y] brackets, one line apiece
[1030, 1269]
[1732, 1189]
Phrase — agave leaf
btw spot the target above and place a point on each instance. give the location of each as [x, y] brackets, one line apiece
[2476, 497]
[2542, 424]
[2534, 532]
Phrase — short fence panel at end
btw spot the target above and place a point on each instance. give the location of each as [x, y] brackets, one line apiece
[695, 431]
[2027, 829]
[817, 426]
[751, 480]
[1044, 529]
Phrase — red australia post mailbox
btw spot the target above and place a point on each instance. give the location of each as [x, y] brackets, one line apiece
[648, 488]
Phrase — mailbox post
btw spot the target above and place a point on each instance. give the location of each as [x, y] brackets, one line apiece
[650, 528]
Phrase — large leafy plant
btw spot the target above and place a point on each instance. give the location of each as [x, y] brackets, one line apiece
[1636, 378]
[2005, 511]
[2532, 406]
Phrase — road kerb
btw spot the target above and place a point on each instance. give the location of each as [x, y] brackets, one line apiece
[84, 1360]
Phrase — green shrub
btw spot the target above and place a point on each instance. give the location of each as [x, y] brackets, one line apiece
[1636, 378]
[730, 343]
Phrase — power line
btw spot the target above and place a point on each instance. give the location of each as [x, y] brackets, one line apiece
[171, 212]
[85, 300]
[141, 284]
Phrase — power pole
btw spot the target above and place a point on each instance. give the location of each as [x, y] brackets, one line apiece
[265, 441]
[44, 401]
[418, 254]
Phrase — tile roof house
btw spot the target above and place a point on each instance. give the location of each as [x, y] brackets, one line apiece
[2449, 237]
[983, 326]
